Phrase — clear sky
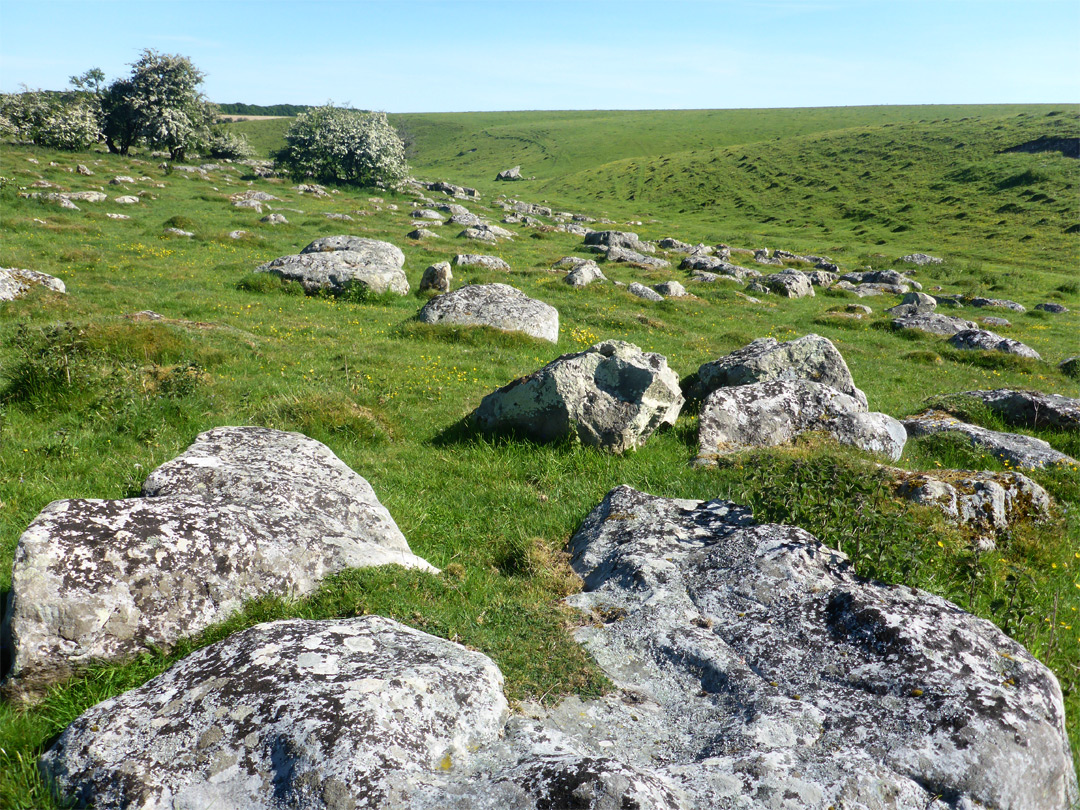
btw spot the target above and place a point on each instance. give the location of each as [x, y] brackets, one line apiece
[449, 55]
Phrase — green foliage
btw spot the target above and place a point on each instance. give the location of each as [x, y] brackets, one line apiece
[229, 145]
[66, 121]
[335, 145]
[238, 108]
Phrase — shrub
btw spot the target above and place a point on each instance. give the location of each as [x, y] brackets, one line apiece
[229, 145]
[54, 120]
[331, 144]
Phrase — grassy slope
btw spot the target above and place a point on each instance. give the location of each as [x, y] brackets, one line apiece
[89, 409]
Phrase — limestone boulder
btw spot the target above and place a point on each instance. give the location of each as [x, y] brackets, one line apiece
[913, 303]
[612, 395]
[15, 282]
[1022, 452]
[479, 260]
[984, 340]
[920, 259]
[772, 413]
[888, 278]
[584, 274]
[497, 305]
[759, 666]
[790, 284]
[510, 174]
[811, 357]
[1052, 308]
[713, 264]
[621, 239]
[244, 511]
[437, 277]
[641, 291]
[303, 714]
[671, 289]
[337, 263]
[627, 256]
[996, 303]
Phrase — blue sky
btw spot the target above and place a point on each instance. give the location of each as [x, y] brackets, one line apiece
[443, 55]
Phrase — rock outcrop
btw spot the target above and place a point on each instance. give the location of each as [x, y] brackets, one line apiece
[983, 340]
[337, 263]
[498, 305]
[16, 282]
[244, 511]
[933, 322]
[1023, 452]
[612, 395]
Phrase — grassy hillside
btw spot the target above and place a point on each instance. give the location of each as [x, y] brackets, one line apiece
[93, 399]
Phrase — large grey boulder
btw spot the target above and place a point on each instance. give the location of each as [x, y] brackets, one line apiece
[933, 322]
[625, 255]
[612, 395]
[913, 303]
[984, 503]
[760, 671]
[641, 291]
[584, 274]
[480, 260]
[437, 277]
[1023, 452]
[510, 174]
[921, 259]
[790, 284]
[16, 282]
[772, 413]
[811, 357]
[244, 511]
[714, 264]
[984, 340]
[337, 263]
[996, 303]
[498, 305]
[1032, 409]
[888, 278]
[302, 714]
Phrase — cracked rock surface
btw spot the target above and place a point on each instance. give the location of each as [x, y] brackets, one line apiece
[335, 263]
[497, 305]
[244, 511]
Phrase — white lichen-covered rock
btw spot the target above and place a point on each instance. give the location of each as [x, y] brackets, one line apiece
[497, 305]
[302, 714]
[995, 303]
[985, 503]
[772, 413]
[612, 395]
[704, 263]
[627, 256]
[1032, 409]
[921, 259]
[619, 239]
[671, 289]
[885, 278]
[983, 340]
[16, 282]
[1024, 452]
[933, 322]
[584, 274]
[641, 291]
[756, 670]
[337, 263]
[913, 303]
[811, 357]
[244, 511]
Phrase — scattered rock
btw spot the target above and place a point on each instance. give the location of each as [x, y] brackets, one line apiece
[713, 264]
[510, 174]
[612, 395]
[584, 274]
[790, 284]
[1022, 452]
[16, 282]
[811, 357]
[757, 666]
[230, 518]
[671, 289]
[821, 278]
[920, 259]
[275, 219]
[627, 256]
[111, 215]
[479, 235]
[237, 234]
[982, 340]
[1056, 309]
[996, 303]
[1070, 367]
[437, 277]
[89, 196]
[421, 234]
[306, 714]
[177, 232]
[985, 503]
[314, 189]
[913, 303]
[340, 217]
[465, 218]
[497, 305]
[1032, 409]
[935, 323]
[254, 205]
[336, 263]
[84, 170]
[992, 321]
[427, 213]
[127, 199]
[772, 413]
[621, 239]
[120, 180]
[641, 291]
[478, 260]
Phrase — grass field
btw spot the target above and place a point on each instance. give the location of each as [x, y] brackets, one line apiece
[93, 400]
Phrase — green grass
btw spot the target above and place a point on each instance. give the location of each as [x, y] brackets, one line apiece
[91, 400]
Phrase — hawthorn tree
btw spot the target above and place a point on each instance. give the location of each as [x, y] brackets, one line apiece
[336, 145]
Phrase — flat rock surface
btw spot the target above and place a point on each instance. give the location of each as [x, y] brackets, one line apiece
[300, 714]
[983, 340]
[612, 395]
[758, 665]
[244, 511]
[335, 263]
[771, 413]
[811, 357]
[498, 305]
[933, 322]
[1025, 452]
